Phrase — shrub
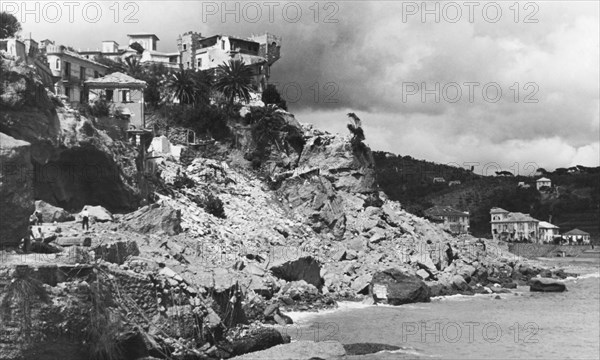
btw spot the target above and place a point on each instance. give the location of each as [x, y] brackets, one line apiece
[213, 205]
[271, 96]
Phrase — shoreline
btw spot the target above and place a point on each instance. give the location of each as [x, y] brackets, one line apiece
[348, 305]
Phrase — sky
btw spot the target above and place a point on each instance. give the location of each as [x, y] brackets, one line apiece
[466, 83]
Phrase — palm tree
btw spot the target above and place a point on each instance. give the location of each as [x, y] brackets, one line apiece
[133, 67]
[203, 85]
[234, 80]
[182, 86]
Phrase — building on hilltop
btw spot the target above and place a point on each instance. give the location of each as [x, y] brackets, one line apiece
[541, 182]
[513, 226]
[72, 70]
[111, 50]
[259, 52]
[456, 220]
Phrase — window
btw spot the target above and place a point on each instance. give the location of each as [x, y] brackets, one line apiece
[96, 75]
[67, 69]
[57, 64]
[68, 93]
[199, 63]
[184, 47]
[188, 64]
[109, 95]
[125, 96]
[222, 44]
[82, 73]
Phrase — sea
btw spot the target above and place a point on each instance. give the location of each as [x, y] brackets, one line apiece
[519, 325]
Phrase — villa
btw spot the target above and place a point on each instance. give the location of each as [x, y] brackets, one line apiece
[456, 220]
[513, 226]
[205, 53]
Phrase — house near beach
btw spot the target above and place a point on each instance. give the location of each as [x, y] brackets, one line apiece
[513, 226]
[456, 220]
[547, 232]
[577, 236]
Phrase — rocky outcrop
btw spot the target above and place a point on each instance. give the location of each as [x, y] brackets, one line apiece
[546, 285]
[16, 190]
[316, 200]
[52, 213]
[396, 288]
[350, 169]
[75, 163]
[154, 218]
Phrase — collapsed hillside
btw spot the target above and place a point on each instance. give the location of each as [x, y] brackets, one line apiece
[226, 248]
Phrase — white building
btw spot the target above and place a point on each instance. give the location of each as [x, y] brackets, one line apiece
[541, 182]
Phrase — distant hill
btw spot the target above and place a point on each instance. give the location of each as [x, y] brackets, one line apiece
[572, 202]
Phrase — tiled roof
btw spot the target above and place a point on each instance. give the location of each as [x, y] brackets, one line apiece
[497, 210]
[547, 225]
[543, 179]
[576, 232]
[115, 80]
[517, 217]
[444, 211]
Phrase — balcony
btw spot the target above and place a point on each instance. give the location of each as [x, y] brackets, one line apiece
[71, 79]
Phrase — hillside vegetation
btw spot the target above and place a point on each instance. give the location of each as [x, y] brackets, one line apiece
[572, 202]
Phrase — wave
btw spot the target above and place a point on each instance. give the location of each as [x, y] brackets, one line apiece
[342, 306]
[584, 276]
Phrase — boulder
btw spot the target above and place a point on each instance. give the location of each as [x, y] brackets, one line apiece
[51, 213]
[116, 252]
[390, 215]
[16, 190]
[395, 287]
[546, 285]
[98, 213]
[368, 348]
[257, 340]
[361, 284]
[305, 268]
[155, 219]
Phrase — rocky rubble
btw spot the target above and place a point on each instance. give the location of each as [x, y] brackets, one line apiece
[192, 283]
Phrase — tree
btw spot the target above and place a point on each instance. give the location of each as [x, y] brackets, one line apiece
[182, 86]
[113, 65]
[133, 67]
[137, 47]
[355, 128]
[9, 25]
[203, 83]
[271, 96]
[234, 80]
[154, 76]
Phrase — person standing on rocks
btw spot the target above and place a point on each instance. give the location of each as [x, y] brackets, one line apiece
[85, 219]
